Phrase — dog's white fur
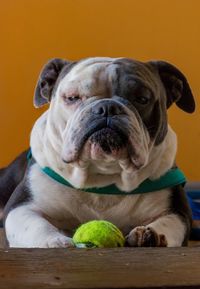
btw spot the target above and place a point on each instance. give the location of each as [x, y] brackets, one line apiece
[56, 210]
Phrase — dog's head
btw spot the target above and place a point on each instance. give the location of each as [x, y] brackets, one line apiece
[111, 109]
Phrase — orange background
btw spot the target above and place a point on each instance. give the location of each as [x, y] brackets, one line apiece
[32, 31]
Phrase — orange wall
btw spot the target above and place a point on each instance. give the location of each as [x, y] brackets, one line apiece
[32, 31]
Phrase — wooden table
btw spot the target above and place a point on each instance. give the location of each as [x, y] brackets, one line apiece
[100, 268]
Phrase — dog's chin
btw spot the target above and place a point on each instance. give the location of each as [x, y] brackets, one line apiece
[107, 144]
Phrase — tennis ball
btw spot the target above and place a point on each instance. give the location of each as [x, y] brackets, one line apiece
[98, 233]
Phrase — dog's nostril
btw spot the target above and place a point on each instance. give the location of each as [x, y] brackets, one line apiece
[112, 110]
[116, 110]
[101, 110]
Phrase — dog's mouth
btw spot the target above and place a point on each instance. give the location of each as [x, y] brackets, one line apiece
[103, 137]
[110, 140]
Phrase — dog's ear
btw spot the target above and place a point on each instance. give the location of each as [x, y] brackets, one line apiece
[47, 80]
[176, 86]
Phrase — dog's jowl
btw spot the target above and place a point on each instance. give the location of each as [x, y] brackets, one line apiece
[106, 125]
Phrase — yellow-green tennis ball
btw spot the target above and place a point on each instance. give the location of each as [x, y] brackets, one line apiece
[101, 234]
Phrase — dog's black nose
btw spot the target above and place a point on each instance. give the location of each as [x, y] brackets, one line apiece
[107, 108]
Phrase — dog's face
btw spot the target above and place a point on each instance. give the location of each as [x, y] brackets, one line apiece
[111, 110]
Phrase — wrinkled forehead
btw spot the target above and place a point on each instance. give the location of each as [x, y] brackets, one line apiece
[89, 74]
[100, 74]
[93, 65]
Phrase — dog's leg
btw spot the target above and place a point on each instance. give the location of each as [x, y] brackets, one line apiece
[26, 227]
[166, 231]
[10, 177]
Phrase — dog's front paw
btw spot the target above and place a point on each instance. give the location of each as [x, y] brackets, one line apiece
[58, 241]
[143, 236]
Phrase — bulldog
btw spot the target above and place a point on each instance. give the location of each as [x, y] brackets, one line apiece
[106, 125]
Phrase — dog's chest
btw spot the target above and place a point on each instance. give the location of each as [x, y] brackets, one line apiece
[66, 208]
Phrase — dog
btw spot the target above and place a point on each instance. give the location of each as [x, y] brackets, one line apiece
[106, 125]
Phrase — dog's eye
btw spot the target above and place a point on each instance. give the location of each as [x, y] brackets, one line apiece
[71, 99]
[142, 100]
[140, 95]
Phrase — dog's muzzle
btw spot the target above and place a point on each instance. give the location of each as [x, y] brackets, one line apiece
[106, 127]
[109, 133]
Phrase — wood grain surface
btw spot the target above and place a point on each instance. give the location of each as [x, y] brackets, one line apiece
[100, 268]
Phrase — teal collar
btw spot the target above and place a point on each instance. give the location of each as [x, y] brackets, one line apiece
[172, 178]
